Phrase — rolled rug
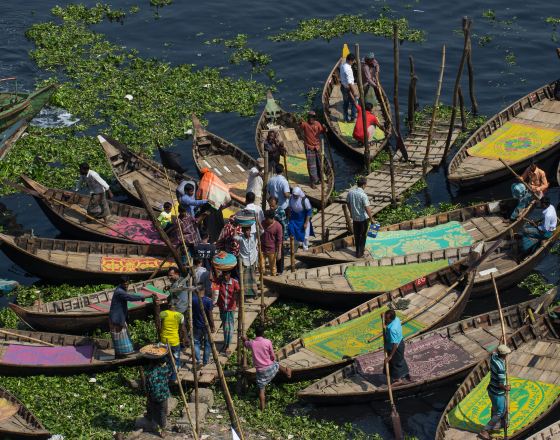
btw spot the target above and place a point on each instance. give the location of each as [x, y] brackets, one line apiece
[224, 262]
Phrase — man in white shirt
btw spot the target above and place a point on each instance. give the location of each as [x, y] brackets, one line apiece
[98, 206]
[250, 205]
[279, 187]
[347, 86]
[533, 235]
[255, 180]
[550, 219]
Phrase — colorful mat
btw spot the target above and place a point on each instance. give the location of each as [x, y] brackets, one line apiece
[140, 231]
[385, 278]
[347, 131]
[397, 243]
[122, 264]
[297, 168]
[146, 291]
[528, 399]
[515, 141]
[426, 358]
[47, 356]
[351, 338]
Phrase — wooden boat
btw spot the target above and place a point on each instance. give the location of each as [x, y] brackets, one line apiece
[15, 107]
[66, 210]
[434, 358]
[25, 353]
[535, 358]
[329, 286]
[332, 109]
[84, 261]
[229, 162]
[529, 122]
[129, 166]
[551, 432]
[290, 133]
[10, 136]
[16, 421]
[437, 300]
[87, 313]
[484, 221]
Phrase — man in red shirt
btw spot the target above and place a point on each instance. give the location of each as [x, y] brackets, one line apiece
[371, 123]
[271, 240]
[227, 303]
[312, 130]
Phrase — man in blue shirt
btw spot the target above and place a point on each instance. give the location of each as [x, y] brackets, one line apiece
[199, 326]
[189, 201]
[394, 346]
[279, 187]
[497, 391]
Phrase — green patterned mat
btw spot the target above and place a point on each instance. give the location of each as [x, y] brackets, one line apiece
[396, 243]
[297, 169]
[347, 130]
[351, 338]
[528, 400]
[385, 278]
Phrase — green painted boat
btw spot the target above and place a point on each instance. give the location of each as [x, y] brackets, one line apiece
[15, 107]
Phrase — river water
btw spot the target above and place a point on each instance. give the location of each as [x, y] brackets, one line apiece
[177, 34]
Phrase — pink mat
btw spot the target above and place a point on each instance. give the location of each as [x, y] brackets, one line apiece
[49, 356]
[141, 231]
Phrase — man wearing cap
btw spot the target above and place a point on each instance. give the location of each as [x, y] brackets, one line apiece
[497, 391]
[370, 73]
[312, 130]
[255, 180]
[360, 211]
[348, 87]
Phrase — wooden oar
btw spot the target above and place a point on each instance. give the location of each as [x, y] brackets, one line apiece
[518, 177]
[395, 417]
[29, 338]
[504, 341]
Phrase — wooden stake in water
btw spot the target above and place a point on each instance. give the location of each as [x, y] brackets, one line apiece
[241, 358]
[412, 99]
[265, 180]
[363, 106]
[322, 175]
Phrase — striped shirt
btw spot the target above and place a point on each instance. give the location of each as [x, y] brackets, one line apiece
[497, 375]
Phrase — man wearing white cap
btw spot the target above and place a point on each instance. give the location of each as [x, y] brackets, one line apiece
[497, 391]
[255, 180]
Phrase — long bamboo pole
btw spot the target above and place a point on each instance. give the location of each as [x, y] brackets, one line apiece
[504, 341]
[240, 327]
[462, 108]
[434, 113]
[395, 417]
[466, 32]
[265, 180]
[412, 99]
[258, 227]
[396, 62]
[518, 177]
[28, 338]
[363, 106]
[470, 69]
[322, 152]
[292, 257]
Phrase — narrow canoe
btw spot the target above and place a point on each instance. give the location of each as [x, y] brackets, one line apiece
[127, 223]
[434, 358]
[9, 137]
[23, 106]
[347, 284]
[434, 302]
[22, 356]
[129, 166]
[17, 421]
[534, 373]
[290, 133]
[531, 123]
[86, 313]
[551, 432]
[84, 261]
[229, 162]
[332, 109]
[484, 221]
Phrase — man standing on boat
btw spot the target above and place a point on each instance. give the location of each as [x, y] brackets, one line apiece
[275, 148]
[347, 87]
[98, 206]
[255, 180]
[497, 391]
[370, 73]
[312, 130]
[536, 179]
[358, 203]
[394, 346]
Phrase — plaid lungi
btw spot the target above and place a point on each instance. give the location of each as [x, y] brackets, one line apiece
[228, 321]
[265, 376]
[121, 341]
[98, 206]
[250, 280]
[313, 164]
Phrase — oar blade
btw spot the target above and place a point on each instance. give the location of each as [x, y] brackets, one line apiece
[396, 422]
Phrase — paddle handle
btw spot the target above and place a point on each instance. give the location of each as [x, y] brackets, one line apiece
[29, 338]
[387, 372]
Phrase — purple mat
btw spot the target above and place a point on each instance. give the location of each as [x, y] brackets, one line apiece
[49, 356]
[427, 358]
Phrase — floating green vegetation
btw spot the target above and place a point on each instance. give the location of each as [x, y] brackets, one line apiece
[98, 76]
[510, 58]
[328, 29]
[490, 14]
[241, 53]
[160, 3]
[535, 284]
[485, 40]
[410, 210]
[554, 21]
[93, 15]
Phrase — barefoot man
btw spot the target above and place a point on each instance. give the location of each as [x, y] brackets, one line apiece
[394, 346]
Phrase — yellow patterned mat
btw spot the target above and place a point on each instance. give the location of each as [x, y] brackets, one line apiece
[121, 264]
[351, 338]
[297, 168]
[385, 278]
[347, 130]
[515, 141]
[528, 400]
